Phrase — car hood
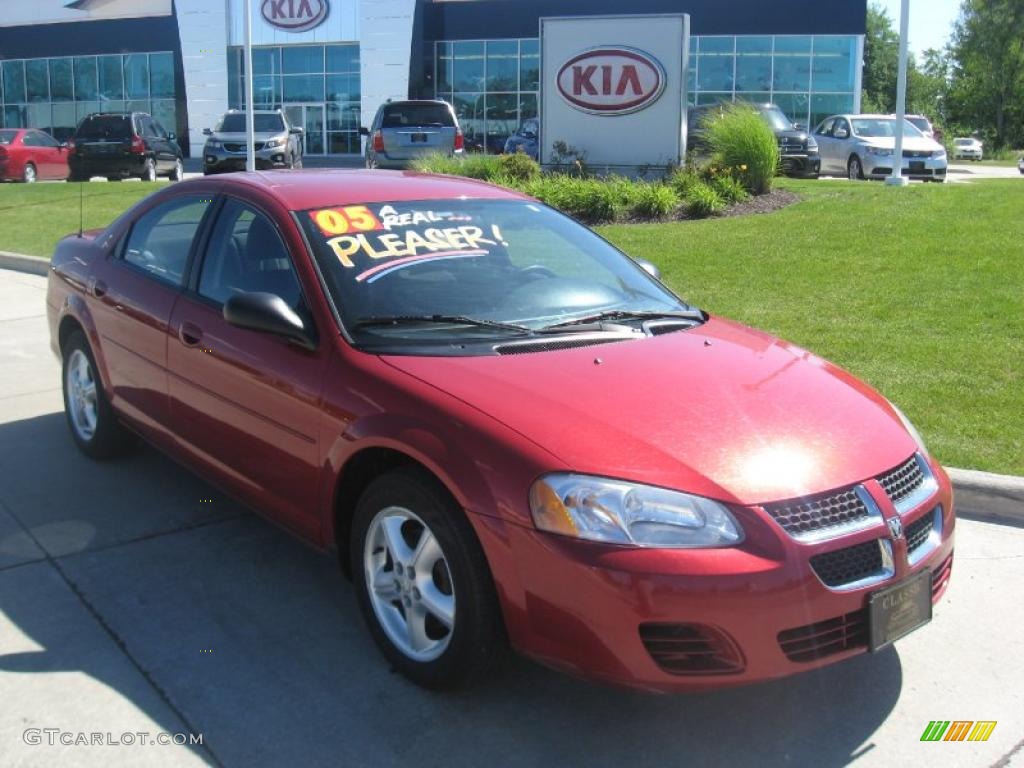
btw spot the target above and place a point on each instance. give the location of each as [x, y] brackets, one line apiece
[794, 134]
[914, 143]
[721, 410]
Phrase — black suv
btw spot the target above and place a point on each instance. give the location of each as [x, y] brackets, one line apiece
[122, 144]
[797, 147]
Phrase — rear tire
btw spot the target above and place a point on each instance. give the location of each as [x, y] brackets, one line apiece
[178, 172]
[28, 173]
[93, 423]
[148, 170]
[441, 625]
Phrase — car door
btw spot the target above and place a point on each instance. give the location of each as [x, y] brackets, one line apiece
[153, 141]
[52, 160]
[826, 145]
[843, 143]
[247, 404]
[132, 294]
[168, 146]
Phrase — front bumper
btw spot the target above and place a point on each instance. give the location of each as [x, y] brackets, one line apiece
[915, 168]
[222, 161]
[801, 165]
[608, 613]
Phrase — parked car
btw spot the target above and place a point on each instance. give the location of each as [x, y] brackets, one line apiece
[27, 154]
[277, 143]
[525, 139]
[862, 147]
[967, 149]
[122, 144]
[1020, 164]
[922, 123]
[798, 149]
[476, 401]
[401, 131]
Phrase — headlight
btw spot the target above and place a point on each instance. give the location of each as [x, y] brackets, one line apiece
[911, 429]
[617, 512]
[812, 145]
[879, 151]
[213, 144]
[940, 155]
[274, 143]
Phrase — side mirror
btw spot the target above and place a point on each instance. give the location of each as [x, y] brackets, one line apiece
[63, 145]
[841, 133]
[649, 268]
[171, 136]
[296, 130]
[800, 126]
[207, 132]
[268, 313]
[364, 131]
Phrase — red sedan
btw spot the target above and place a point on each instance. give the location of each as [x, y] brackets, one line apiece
[27, 154]
[508, 430]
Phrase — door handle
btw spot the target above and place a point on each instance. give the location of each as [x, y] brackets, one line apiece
[190, 334]
[99, 289]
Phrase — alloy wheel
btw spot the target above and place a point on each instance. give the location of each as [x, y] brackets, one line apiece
[409, 583]
[29, 174]
[81, 388]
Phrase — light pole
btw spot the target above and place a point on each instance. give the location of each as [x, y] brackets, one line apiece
[897, 179]
[250, 127]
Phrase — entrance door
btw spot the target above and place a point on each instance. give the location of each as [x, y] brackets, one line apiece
[309, 117]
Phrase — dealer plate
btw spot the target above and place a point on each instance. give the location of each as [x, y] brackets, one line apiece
[917, 165]
[900, 609]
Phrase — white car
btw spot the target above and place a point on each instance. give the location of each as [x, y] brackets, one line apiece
[862, 147]
[967, 149]
[1020, 165]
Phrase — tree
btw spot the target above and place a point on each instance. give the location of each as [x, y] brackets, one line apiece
[986, 89]
[881, 62]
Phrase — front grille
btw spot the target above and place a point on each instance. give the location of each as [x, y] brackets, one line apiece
[825, 638]
[917, 532]
[899, 483]
[816, 513]
[845, 566]
[691, 649]
[232, 147]
[916, 153]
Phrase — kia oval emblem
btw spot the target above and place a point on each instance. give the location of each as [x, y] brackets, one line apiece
[896, 527]
[294, 15]
[611, 80]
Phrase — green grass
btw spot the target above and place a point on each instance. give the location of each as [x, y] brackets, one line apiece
[918, 291]
[33, 217]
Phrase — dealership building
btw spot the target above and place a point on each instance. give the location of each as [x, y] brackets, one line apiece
[330, 63]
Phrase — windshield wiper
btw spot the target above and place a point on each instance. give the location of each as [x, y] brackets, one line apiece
[363, 322]
[625, 314]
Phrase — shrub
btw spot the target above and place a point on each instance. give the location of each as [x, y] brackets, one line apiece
[472, 166]
[653, 201]
[730, 188]
[683, 179]
[704, 200]
[518, 166]
[740, 137]
[589, 200]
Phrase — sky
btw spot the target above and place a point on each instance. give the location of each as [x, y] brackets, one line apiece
[931, 21]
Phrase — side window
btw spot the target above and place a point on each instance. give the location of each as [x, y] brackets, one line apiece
[825, 129]
[158, 130]
[45, 140]
[245, 253]
[160, 241]
[148, 129]
[841, 129]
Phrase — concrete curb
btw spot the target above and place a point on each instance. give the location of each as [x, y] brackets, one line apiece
[33, 265]
[979, 495]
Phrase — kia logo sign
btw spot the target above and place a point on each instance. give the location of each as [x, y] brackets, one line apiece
[611, 80]
[294, 15]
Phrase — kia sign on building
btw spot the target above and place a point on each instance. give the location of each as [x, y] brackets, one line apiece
[614, 88]
[294, 15]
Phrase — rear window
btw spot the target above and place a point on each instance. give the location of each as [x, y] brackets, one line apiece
[264, 123]
[105, 127]
[6, 137]
[401, 115]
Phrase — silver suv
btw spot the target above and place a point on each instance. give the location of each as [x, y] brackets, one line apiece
[278, 143]
[404, 130]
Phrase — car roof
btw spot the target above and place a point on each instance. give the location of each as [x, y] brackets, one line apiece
[303, 189]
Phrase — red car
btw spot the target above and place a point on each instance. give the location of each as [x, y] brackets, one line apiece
[507, 429]
[27, 154]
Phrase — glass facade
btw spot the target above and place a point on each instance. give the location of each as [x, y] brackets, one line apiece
[493, 84]
[317, 86]
[55, 93]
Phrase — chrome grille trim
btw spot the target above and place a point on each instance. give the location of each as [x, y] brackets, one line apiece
[919, 550]
[807, 520]
[910, 484]
[885, 571]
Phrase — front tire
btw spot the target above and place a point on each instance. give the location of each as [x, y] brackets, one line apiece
[28, 173]
[94, 426]
[422, 581]
[855, 169]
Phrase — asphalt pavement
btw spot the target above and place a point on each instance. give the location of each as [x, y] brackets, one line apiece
[135, 599]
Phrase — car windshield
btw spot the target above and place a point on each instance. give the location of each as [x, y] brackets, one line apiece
[510, 262]
[105, 127]
[883, 128]
[776, 119]
[7, 136]
[529, 128]
[266, 123]
[408, 113]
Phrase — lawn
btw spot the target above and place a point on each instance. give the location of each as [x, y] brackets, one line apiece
[34, 217]
[919, 291]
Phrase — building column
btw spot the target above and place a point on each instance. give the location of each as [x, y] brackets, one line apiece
[385, 44]
[203, 28]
